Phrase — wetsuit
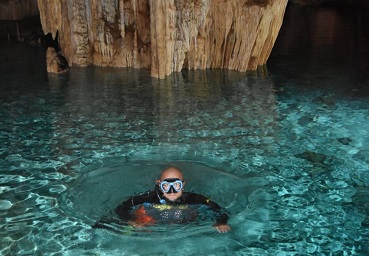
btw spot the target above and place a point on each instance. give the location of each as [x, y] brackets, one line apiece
[153, 208]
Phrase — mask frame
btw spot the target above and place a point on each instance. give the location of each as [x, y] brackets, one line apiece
[173, 185]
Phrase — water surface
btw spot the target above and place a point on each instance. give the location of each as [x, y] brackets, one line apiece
[284, 149]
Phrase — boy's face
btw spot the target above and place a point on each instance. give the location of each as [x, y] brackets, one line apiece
[169, 175]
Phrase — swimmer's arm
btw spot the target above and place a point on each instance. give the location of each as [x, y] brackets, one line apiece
[222, 217]
[222, 228]
[123, 210]
[221, 221]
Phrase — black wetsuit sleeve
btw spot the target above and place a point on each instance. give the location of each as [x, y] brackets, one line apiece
[221, 215]
[123, 212]
[124, 209]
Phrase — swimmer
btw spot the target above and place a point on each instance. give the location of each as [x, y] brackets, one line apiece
[168, 203]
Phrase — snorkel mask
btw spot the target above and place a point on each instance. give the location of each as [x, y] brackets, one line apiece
[172, 185]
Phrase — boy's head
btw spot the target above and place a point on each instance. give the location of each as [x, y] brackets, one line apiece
[171, 183]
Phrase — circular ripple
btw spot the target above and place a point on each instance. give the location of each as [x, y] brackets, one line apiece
[102, 189]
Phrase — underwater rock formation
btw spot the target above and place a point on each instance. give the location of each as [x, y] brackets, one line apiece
[313, 157]
[164, 35]
[55, 63]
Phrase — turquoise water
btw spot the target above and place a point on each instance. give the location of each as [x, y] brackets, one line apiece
[284, 149]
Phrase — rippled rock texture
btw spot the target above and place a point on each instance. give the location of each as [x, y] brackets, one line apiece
[164, 35]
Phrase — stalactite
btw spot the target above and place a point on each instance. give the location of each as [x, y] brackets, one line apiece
[165, 35]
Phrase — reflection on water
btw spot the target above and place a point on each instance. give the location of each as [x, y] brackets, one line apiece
[139, 115]
[285, 151]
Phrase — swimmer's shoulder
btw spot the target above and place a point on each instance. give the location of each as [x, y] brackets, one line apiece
[195, 198]
[145, 197]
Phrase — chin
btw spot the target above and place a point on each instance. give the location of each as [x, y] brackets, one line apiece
[172, 197]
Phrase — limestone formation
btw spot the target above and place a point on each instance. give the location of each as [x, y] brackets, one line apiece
[55, 63]
[165, 35]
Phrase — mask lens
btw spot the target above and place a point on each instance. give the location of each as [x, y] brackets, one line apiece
[177, 185]
[165, 186]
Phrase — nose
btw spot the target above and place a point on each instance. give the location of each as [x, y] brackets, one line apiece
[171, 190]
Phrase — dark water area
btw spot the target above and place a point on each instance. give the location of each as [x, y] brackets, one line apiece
[326, 42]
[284, 149]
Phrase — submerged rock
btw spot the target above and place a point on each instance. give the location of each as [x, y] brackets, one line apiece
[305, 120]
[55, 62]
[345, 141]
[313, 157]
[360, 200]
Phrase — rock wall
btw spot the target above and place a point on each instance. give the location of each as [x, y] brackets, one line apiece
[164, 35]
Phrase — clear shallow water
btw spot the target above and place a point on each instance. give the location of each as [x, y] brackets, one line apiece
[284, 150]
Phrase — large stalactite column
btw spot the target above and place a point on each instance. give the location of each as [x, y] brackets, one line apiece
[165, 35]
[199, 34]
[54, 19]
[159, 56]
